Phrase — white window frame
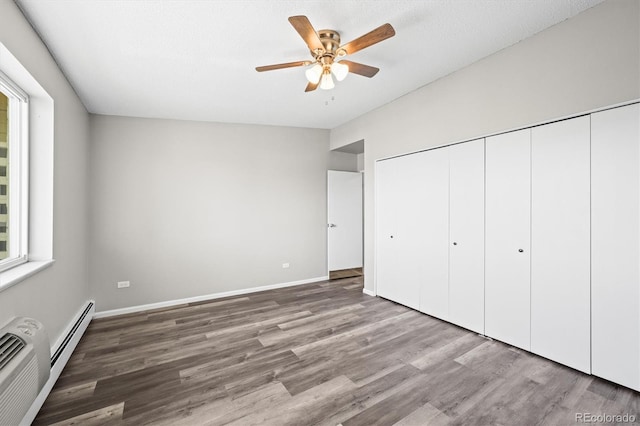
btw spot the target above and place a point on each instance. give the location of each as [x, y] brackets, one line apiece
[18, 173]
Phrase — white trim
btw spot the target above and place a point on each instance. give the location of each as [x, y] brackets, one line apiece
[168, 303]
[21, 272]
[369, 292]
[18, 172]
[62, 360]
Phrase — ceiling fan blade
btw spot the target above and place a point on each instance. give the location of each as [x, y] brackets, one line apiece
[285, 65]
[383, 32]
[311, 87]
[360, 69]
[306, 31]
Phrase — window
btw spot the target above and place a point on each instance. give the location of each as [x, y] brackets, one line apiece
[13, 174]
[28, 119]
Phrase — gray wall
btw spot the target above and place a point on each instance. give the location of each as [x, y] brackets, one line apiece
[587, 62]
[184, 209]
[343, 161]
[56, 294]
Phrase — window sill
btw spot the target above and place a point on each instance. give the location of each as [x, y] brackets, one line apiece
[22, 272]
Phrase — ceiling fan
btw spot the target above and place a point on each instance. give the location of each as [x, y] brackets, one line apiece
[326, 50]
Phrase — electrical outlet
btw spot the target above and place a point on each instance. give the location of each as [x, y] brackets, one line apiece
[123, 284]
[285, 265]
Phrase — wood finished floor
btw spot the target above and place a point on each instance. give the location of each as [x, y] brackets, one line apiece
[322, 353]
[345, 273]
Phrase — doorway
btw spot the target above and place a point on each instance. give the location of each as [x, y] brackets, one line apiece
[345, 212]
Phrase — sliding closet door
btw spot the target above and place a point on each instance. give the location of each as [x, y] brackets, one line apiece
[615, 247]
[507, 264]
[434, 291]
[560, 238]
[466, 242]
[386, 266]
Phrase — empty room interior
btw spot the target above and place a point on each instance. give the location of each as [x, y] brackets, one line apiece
[357, 212]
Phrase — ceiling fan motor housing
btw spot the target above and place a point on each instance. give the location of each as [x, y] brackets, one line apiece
[330, 40]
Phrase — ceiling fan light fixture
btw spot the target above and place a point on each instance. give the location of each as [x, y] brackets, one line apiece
[339, 70]
[314, 73]
[326, 83]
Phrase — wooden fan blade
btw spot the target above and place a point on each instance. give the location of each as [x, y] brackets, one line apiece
[383, 32]
[285, 65]
[306, 31]
[360, 69]
[311, 87]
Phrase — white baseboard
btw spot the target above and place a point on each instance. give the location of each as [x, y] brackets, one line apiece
[368, 292]
[62, 359]
[168, 303]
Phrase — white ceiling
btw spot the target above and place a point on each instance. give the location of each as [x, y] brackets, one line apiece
[196, 59]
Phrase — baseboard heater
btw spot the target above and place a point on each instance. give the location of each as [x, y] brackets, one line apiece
[71, 334]
[28, 371]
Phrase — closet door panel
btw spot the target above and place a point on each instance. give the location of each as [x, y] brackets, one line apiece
[434, 291]
[560, 238]
[507, 224]
[466, 241]
[615, 247]
[413, 228]
[386, 266]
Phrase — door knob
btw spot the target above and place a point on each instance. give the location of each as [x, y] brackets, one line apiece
[520, 250]
[391, 236]
[455, 244]
[331, 225]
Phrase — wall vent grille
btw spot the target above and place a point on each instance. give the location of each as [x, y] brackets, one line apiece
[10, 346]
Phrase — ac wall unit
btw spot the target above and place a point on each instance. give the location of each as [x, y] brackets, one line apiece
[25, 364]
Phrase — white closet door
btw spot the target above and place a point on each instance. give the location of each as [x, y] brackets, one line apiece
[386, 266]
[412, 229]
[615, 245]
[507, 261]
[466, 242]
[433, 230]
[560, 238]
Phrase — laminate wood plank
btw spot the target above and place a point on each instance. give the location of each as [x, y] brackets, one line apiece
[261, 324]
[260, 399]
[425, 415]
[370, 394]
[323, 354]
[177, 403]
[111, 415]
[451, 349]
[321, 345]
[393, 408]
[60, 395]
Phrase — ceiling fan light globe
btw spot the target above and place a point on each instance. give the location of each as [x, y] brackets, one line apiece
[314, 73]
[326, 83]
[339, 70]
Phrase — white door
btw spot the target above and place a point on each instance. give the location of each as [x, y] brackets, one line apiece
[507, 261]
[560, 238]
[615, 245]
[430, 233]
[466, 242]
[386, 265]
[344, 204]
[401, 203]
